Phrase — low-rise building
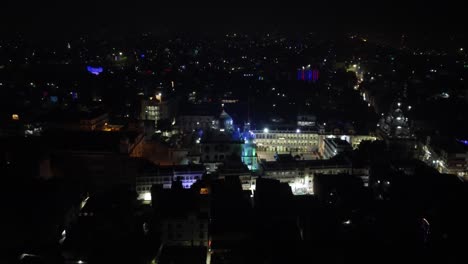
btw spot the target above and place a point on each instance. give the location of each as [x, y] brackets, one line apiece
[446, 155]
[335, 146]
[150, 174]
[183, 214]
[299, 174]
[286, 140]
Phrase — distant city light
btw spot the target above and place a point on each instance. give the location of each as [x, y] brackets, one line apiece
[95, 70]
[348, 222]
[15, 116]
[147, 196]
[265, 130]
[298, 130]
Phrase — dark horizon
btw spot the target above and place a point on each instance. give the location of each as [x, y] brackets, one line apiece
[51, 19]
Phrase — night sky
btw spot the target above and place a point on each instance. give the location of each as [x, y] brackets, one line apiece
[70, 17]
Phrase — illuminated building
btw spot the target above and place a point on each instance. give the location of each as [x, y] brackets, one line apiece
[307, 74]
[151, 108]
[225, 121]
[300, 140]
[335, 146]
[395, 130]
[395, 124]
[446, 155]
[306, 120]
[299, 174]
[249, 151]
[164, 175]
[286, 140]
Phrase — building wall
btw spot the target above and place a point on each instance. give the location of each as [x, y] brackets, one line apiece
[304, 141]
[94, 123]
[185, 231]
[333, 148]
[301, 179]
[444, 162]
[286, 141]
[192, 123]
[145, 181]
[219, 151]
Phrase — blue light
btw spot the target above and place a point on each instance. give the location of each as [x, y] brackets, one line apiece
[142, 56]
[94, 70]
[464, 142]
[54, 99]
[309, 75]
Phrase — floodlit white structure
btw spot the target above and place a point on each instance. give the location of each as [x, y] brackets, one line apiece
[300, 174]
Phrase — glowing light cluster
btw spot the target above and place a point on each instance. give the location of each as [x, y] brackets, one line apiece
[95, 70]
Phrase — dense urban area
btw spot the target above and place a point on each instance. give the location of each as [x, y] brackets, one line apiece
[264, 147]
